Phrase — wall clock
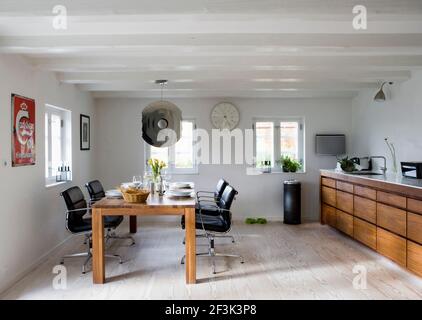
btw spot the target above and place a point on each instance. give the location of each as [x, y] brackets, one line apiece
[225, 116]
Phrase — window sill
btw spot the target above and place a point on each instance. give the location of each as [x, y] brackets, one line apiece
[279, 172]
[56, 184]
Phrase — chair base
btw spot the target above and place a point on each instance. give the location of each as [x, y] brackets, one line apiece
[88, 254]
[212, 254]
[203, 235]
[113, 235]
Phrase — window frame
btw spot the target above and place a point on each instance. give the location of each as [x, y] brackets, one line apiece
[276, 140]
[171, 169]
[66, 141]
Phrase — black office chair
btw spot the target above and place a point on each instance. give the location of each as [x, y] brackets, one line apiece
[77, 223]
[215, 219]
[96, 192]
[216, 195]
[210, 195]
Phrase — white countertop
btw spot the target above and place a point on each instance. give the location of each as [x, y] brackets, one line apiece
[388, 178]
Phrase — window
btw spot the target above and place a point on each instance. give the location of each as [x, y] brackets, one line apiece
[180, 158]
[278, 137]
[58, 143]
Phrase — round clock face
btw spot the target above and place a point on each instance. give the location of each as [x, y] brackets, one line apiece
[225, 116]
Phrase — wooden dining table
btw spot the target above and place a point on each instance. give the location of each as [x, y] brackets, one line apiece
[154, 206]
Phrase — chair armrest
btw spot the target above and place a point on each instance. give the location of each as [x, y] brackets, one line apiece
[207, 197]
[206, 192]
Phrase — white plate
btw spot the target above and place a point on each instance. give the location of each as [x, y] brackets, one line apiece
[113, 194]
[181, 185]
[179, 193]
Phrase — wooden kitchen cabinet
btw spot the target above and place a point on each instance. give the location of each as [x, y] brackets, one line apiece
[414, 205]
[392, 199]
[329, 215]
[392, 219]
[365, 209]
[366, 192]
[328, 182]
[414, 257]
[344, 222]
[382, 214]
[343, 186]
[328, 196]
[414, 227]
[365, 232]
[345, 201]
[392, 246]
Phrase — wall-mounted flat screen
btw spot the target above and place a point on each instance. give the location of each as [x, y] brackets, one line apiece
[330, 144]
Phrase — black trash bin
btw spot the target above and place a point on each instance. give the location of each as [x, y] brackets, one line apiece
[291, 203]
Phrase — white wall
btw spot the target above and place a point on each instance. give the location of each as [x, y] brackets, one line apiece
[398, 118]
[120, 153]
[32, 216]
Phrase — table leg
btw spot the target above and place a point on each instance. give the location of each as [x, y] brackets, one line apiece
[133, 224]
[98, 267]
[190, 245]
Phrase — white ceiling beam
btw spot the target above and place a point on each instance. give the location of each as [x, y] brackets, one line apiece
[291, 41]
[288, 7]
[222, 85]
[226, 94]
[256, 62]
[200, 24]
[257, 76]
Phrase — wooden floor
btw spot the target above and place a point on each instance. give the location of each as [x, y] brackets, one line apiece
[309, 261]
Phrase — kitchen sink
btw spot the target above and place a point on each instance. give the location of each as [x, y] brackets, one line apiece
[366, 173]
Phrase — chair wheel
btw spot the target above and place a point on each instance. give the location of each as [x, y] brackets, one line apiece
[242, 262]
[61, 262]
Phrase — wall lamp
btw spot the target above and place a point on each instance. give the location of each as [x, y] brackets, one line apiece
[380, 96]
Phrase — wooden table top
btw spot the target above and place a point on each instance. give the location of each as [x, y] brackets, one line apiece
[153, 201]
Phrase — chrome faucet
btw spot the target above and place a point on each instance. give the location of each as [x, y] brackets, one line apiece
[384, 168]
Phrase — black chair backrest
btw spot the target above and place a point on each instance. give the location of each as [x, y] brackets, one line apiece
[226, 200]
[95, 190]
[221, 185]
[74, 199]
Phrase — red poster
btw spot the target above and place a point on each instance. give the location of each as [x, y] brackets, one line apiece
[23, 131]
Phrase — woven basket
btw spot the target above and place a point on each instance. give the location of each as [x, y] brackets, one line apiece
[138, 197]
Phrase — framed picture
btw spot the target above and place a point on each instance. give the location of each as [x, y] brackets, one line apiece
[85, 132]
[23, 131]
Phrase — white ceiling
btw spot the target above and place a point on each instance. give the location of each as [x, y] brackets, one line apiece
[217, 48]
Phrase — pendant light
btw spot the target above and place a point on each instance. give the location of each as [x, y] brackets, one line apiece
[380, 96]
[161, 117]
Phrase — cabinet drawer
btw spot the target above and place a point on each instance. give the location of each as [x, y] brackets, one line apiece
[366, 192]
[365, 232]
[414, 227]
[345, 201]
[414, 205]
[393, 199]
[391, 246]
[365, 209]
[344, 222]
[328, 196]
[392, 219]
[414, 257]
[328, 182]
[329, 215]
[345, 186]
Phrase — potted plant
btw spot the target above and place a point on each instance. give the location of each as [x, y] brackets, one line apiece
[288, 164]
[347, 164]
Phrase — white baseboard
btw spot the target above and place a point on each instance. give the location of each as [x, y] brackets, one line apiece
[9, 284]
